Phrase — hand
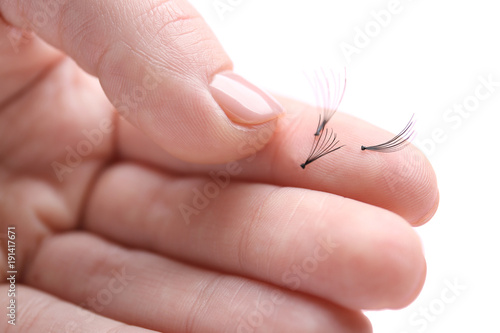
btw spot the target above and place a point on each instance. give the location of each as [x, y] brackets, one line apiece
[124, 217]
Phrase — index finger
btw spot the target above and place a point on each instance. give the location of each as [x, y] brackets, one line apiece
[403, 182]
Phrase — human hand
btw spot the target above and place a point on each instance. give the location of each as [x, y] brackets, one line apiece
[107, 220]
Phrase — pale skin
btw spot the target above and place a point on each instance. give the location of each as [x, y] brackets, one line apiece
[279, 249]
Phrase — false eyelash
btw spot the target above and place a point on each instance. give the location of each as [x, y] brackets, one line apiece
[325, 86]
[323, 144]
[398, 142]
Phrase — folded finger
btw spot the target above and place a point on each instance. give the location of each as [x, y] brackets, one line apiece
[37, 311]
[143, 289]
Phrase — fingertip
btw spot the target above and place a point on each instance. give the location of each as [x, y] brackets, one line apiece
[423, 195]
[400, 254]
[430, 213]
[413, 269]
[414, 292]
[409, 182]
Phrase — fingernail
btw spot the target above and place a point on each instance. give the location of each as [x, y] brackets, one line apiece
[242, 101]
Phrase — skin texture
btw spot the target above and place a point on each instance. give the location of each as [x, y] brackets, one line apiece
[274, 248]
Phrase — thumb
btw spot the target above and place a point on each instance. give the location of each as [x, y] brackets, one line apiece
[163, 70]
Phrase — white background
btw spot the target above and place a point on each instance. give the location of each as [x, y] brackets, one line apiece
[428, 58]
